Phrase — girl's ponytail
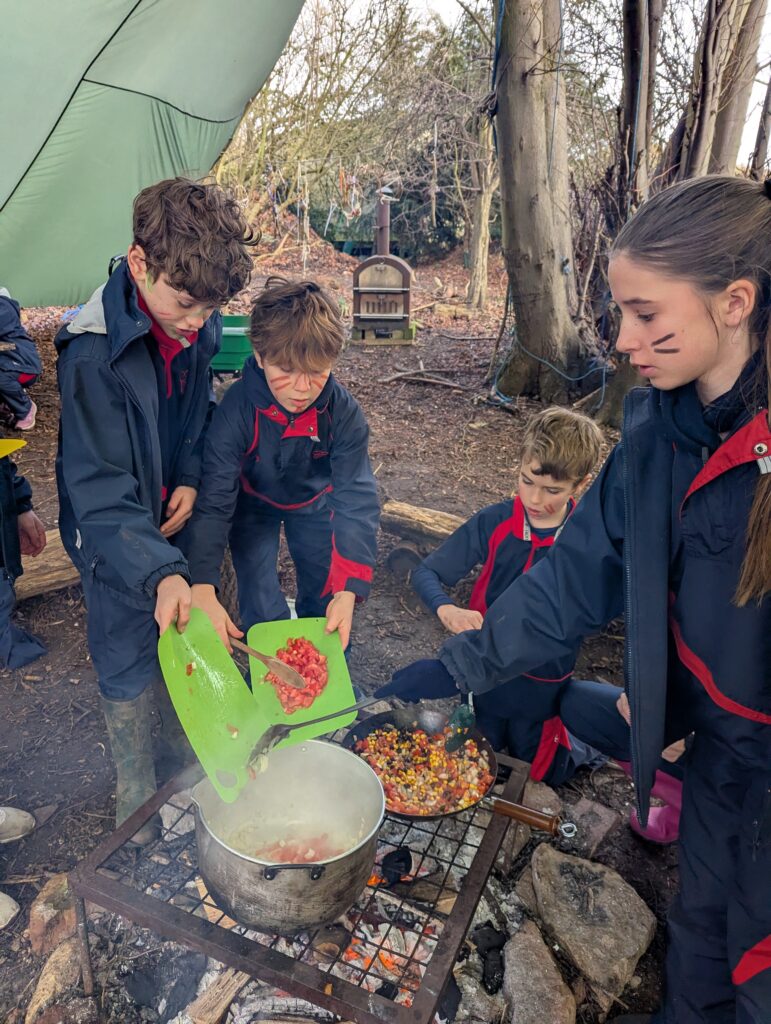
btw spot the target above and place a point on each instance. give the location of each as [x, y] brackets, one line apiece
[755, 578]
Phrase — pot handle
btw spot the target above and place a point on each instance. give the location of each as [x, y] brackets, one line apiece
[551, 823]
[315, 870]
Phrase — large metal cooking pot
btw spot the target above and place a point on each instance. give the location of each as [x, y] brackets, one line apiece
[307, 792]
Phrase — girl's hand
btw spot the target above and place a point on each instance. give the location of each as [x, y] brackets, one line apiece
[32, 534]
[458, 620]
[204, 597]
[172, 603]
[340, 615]
[178, 510]
[622, 706]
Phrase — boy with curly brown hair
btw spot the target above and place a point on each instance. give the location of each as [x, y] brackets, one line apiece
[134, 380]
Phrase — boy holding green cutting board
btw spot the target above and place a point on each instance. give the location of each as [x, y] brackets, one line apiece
[287, 444]
[134, 379]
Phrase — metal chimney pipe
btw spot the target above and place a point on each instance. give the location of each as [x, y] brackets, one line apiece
[383, 222]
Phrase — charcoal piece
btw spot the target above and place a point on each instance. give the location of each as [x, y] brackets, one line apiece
[388, 990]
[174, 977]
[492, 971]
[489, 943]
[331, 940]
[485, 937]
[396, 863]
[450, 1001]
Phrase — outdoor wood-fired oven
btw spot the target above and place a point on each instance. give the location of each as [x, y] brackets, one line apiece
[381, 287]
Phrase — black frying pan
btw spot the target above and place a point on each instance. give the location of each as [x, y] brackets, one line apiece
[408, 719]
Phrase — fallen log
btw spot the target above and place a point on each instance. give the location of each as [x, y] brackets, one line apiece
[50, 571]
[418, 523]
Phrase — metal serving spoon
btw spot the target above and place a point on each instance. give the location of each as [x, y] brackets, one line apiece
[276, 733]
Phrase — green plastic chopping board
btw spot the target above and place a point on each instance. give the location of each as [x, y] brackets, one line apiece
[269, 637]
[212, 701]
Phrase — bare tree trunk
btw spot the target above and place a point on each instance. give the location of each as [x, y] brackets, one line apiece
[534, 205]
[484, 179]
[736, 89]
[715, 57]
[557, 133]
[642, 30]
[479, 247]
[760, 153]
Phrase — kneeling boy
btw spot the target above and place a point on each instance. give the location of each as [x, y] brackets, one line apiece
[560, 450]
[288, 444]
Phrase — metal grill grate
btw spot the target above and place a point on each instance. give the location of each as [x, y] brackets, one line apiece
[404, 939]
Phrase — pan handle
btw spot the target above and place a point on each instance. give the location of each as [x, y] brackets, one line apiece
[551, 823]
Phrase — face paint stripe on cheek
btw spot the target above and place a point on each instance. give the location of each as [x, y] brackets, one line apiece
[664, 351]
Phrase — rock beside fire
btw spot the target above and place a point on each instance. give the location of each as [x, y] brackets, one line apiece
[595, 917]
[60, 974]
[532, 984]
[51, 916]
[541, 797]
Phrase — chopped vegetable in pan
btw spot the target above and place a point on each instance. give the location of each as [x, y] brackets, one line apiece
[420, 777]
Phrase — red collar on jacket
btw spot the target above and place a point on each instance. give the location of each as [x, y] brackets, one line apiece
[518, 526]
[168, 347]
[751, 443]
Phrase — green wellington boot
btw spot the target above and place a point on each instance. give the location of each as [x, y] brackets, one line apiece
[129, 726]
[173, 750]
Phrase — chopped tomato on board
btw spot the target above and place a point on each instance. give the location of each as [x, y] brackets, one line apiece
[301, 655]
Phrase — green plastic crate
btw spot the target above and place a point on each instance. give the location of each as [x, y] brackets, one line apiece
[236, 347]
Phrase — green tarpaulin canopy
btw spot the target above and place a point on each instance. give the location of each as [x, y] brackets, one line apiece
[103, 97]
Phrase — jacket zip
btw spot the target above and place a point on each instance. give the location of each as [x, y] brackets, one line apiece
[140, 406]
[631, 682]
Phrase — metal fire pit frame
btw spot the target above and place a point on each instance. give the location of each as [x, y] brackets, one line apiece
[263, 963]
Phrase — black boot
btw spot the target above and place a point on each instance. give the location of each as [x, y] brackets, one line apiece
[129, 725]
[173, 747]
[633, 1018]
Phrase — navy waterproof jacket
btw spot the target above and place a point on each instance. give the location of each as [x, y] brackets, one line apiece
[24, 356]
[261, 457]
[108, 466]
[660, 536]
[15, 498]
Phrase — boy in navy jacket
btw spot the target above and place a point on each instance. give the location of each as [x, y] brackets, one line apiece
[560, 450]
[19, 364]
[288, 444]
[134, 380]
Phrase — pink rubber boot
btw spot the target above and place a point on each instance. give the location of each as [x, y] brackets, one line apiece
[663, 822]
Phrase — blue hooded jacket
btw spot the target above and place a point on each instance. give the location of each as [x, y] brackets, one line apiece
[108, 465]
[312, 462]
